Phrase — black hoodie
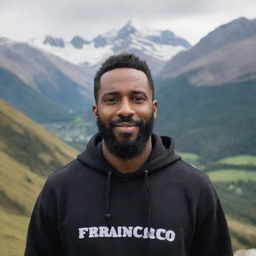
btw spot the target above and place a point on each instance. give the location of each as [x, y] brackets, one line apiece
[167, 207]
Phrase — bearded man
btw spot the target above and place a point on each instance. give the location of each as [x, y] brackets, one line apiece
[128, 193]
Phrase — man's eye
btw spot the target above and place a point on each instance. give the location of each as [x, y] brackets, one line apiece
[138, 99]
[111, 100]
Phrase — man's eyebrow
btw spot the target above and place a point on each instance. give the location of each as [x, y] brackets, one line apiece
[110, 93]
[139, 92]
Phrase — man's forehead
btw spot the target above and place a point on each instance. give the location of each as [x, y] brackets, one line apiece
[124, 74]
[124, 77]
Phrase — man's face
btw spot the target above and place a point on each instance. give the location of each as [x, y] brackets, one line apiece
[125, 111]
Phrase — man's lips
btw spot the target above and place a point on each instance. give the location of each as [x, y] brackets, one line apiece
[125, 124]
[126, 127]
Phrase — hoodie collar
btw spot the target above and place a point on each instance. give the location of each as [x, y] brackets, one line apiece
[161, 156]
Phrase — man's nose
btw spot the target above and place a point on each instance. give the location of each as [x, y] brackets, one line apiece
[125, 109]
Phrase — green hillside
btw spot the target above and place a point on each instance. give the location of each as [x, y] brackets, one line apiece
[245, 160]
[232, 175]
[28, 152]
[13, 230]
[30, 144]
[19, 188]
[211, 121]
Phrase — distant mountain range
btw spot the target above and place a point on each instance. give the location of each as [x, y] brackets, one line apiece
[155, 46]
[50, 79]
[227, 54]
[207, 94]
[205, 91]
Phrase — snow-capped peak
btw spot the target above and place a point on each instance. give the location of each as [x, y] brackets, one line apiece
[131, 37]
[143, 29]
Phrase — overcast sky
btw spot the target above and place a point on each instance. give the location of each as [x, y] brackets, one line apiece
[191, 19]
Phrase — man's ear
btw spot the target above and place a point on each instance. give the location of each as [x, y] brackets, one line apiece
[95, 111]
[155, 108]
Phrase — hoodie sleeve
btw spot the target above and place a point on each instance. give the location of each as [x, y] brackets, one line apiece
[212, 236]
[43, 238]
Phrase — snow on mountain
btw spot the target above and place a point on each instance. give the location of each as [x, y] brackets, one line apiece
[162, 52]
[5, 41]
[157, 45]
[88, 53]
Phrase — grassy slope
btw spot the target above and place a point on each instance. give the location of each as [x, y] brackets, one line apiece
[19, 188]
[29, 143]
[13, 229]
[232, 175]
[239, 160]
[234, 169]
[24, 146]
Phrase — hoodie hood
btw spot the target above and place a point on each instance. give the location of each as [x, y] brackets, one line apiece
[162, 155]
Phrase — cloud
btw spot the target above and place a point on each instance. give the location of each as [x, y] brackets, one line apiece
[28, 18]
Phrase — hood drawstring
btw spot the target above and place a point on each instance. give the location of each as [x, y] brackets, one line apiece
[149, 200]
[108, 215]
[108, 190]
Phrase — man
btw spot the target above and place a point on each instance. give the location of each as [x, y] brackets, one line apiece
[128, 193]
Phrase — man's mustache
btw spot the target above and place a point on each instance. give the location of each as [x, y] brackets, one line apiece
[127, 121]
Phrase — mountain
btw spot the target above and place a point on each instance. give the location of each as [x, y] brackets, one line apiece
[51, 79]
[29, 101]
[211, 121]
[155, 46]
[225, 55]
[28, 153]
[207, 94]
[42, 79]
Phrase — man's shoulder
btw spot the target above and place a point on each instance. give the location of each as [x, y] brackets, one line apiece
[192, 170]
[192, 175]
[64, 173]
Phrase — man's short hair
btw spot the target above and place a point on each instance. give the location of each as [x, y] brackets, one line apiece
[123, 60]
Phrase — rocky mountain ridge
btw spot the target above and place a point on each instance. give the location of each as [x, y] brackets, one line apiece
[227, 54]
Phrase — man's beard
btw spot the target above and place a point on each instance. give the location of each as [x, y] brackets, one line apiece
[126, 149]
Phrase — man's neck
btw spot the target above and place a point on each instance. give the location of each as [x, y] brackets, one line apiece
[127, 165]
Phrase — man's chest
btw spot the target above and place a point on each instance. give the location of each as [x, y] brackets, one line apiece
[159, 222]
